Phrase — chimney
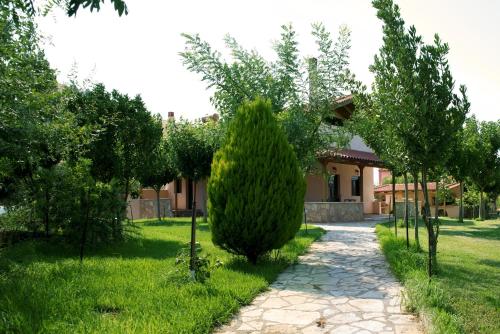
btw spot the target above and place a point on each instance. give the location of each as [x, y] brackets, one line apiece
[170, 116]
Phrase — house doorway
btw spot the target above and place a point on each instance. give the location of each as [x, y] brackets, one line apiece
[334, 188]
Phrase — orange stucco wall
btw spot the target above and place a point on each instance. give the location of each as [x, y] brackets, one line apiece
[182, 196]
[317, 189]
[148, 193]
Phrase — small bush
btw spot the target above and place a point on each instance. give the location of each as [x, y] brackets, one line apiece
[256, 188]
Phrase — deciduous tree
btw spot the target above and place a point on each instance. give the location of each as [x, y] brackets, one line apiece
[159, 169]
[193, 146]
[302, 93]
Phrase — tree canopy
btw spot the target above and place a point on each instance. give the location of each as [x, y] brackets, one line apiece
[412, 115]
[302, 92]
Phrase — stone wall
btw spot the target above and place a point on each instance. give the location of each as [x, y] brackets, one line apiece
[400, 209]
[146, 208]
[451, 210]
[331, 212]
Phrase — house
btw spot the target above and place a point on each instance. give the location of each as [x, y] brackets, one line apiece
[383, 196]
[339, 188]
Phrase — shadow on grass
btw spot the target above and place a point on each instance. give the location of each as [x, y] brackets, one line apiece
[492, 233]
[50, 251]
[491, 263]
[200, 225]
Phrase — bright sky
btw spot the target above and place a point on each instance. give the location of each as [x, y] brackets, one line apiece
[138, 53]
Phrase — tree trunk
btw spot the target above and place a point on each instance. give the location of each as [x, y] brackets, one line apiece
[406, 210]
[415, 196]
[46, 211]
[495, 207]
[116, 225]
[461, 208]
[394, 203]
[436, 211]
[158, 210]
[481, 209]
[192, 265]
[127, 186]
[204, 202]
[429, 225]
[85, 224]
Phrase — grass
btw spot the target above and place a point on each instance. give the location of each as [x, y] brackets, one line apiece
[464, 295]
[134, 287]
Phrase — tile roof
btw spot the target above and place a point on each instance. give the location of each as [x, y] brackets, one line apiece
[401, 187]
[351, 155]
[344, 100]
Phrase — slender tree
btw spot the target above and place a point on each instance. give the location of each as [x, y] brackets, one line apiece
[159, 170]
[193, 146]
[461, 166]
[484, 141]
[417, 209]
[406, 216]
[414, 86]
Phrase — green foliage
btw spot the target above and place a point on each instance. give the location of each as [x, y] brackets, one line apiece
[204, 264]
[123, 132]
[159, 168]
[130, 287]
[193, 146]
[483, 141]
[302, 94]
[412, 118]
[399, 179]
[71, 6]
[256, 188]
[28, 103]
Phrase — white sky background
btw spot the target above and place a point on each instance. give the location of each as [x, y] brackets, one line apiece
[138, 53]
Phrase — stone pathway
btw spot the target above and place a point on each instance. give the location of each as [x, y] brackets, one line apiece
[343, 285]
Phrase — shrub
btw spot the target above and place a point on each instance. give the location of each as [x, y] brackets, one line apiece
[256, 188]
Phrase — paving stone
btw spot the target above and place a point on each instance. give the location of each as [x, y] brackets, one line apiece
[371, 325]
[344, 329]
[368, 305]
[252, 313]
[407, 329]
[343, 283]
[344, 318]
[274, 303]
[280, 329]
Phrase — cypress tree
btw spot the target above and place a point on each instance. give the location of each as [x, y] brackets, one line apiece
[256, 188]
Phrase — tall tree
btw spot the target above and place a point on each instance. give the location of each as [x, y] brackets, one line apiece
[137, 133]
[484, 141]
[462, 164]
[302, 93]
[414, 87]
[159, 169]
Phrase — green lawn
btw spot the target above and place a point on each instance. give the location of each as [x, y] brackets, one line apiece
[130, 288]
[464, 296]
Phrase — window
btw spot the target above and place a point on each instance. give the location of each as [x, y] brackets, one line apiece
[355, 186]
[178, 186]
